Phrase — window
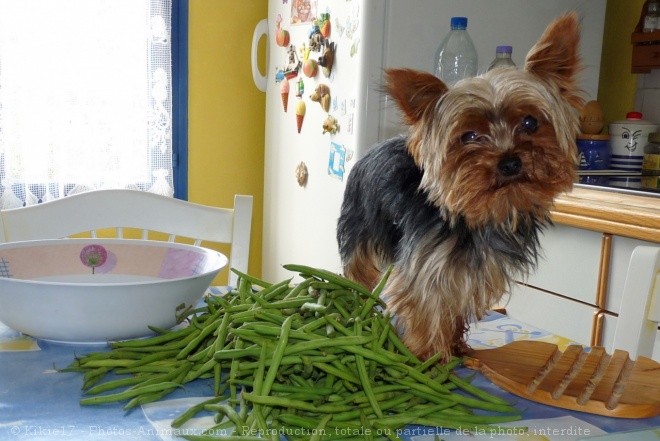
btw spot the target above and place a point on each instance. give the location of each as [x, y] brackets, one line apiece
[86, 97]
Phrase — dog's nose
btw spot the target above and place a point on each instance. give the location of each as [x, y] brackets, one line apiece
[509, 166]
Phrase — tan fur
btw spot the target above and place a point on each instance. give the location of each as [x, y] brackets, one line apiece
[365, 267]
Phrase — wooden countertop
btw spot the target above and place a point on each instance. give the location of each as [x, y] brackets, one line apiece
[627, 215]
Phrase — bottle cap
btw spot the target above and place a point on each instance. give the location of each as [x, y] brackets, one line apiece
[459, 22]
[634, 115]
[505, 49]
[654, 138]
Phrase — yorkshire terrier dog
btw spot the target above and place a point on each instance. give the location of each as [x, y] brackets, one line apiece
[457, 205]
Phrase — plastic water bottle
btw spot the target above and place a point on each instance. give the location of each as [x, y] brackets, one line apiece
[502, 57]
[456, 57]
[652, 18]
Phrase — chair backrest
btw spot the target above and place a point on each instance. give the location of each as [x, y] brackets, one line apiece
[639, 314]
[119, 209]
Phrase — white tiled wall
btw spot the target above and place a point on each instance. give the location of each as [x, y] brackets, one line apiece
[647, 96]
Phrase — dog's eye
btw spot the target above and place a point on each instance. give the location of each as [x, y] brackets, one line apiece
[529, 124]
[469, 137]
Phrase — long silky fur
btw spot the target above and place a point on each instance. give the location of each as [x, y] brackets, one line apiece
[437, 205]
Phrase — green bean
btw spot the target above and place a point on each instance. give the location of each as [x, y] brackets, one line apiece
[328, 276]
[309, 423]
[313, 325]
[218, 388]
[300, 288]
[149, 369]
[157, 356]
[205, 332]
[158, 330]
[476, 391]
[274, 291]
[270, 317]
[128, 394]
[91, 377]
[338, 305]
[385, 405]
[157, 340]
[320, 428]
[172, 374]
[296, 404]
[364, 376]
[203, 353]
[344, 342]
[232, 354]
[375, 295]
[115, 384]
[194, 410]
[148, 398]
[109, 363]
[228, 411]
[339, 327]
[253, 280]
[206, 367]
[315, 307]
[234, 368]
[340, 373]
[295, 302]
[263, 425]
[368, 435]
[393, 338]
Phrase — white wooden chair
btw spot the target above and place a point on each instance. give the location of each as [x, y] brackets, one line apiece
[124, 209]
[639, 314]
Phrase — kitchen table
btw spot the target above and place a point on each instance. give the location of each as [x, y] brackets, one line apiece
[39, 403]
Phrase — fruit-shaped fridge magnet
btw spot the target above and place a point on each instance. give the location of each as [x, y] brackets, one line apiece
[284, 92]
[324, 24]
[300, 114]
[310, 68]
[281, 36]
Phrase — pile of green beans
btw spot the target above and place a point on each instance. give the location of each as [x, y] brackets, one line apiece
[318, 360]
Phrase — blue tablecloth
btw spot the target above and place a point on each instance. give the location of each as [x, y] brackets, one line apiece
[39, 403]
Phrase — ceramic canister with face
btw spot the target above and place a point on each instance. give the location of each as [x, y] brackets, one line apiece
[628, 138]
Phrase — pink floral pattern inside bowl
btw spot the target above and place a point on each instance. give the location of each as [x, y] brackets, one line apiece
[96, 290]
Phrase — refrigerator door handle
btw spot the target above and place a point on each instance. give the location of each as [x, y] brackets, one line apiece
[261, 30]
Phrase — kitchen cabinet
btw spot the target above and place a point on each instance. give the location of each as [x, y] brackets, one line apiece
[576, 288]
[646, 47]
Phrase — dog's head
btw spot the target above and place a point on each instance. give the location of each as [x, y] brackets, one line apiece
[498, 147]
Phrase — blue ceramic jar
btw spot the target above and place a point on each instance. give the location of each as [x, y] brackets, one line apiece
[594, 153]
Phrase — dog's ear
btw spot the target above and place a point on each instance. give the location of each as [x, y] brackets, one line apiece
[414, 91]
[555, 57]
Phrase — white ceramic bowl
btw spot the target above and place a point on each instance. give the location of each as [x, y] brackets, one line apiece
[99, 290]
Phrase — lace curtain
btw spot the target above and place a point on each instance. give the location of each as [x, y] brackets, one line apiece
[85, 98]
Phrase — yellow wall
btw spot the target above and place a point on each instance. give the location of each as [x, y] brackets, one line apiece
[226, 111]
[616, 89]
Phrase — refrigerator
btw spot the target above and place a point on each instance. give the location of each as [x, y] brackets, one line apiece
[330, 56]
